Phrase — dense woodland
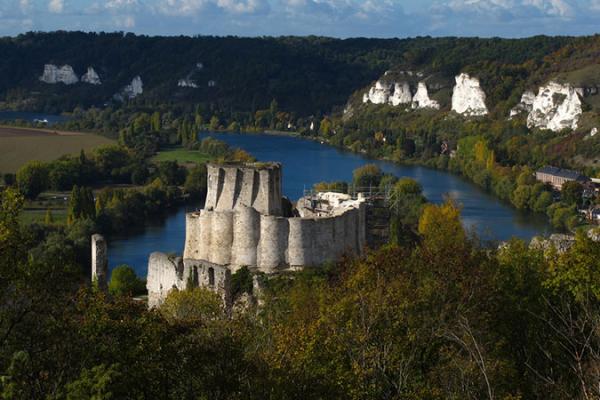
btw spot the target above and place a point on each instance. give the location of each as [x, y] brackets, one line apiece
[307, 76]
[438, 317]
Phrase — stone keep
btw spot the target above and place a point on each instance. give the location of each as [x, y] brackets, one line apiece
[99, 261]
[242, 224]
[256, 185]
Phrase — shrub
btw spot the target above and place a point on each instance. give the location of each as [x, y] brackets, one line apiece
[124, 282]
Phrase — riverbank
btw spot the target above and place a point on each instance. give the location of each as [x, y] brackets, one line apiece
[564, 217]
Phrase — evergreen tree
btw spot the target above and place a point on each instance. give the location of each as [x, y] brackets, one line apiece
[74, 209]
[155, 122]
[88, 206]
[82, 157]
[49, 219]
[81, 205]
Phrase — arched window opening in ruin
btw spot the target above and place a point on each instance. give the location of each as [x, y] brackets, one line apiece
[211, 276]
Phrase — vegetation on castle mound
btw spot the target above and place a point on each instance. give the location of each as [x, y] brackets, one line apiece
[442, 318]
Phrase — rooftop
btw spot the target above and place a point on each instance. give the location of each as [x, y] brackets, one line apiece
[563, 173]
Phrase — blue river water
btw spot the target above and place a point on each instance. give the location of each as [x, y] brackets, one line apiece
[31, 117]
[307, 162]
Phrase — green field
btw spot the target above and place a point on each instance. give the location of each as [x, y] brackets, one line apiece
[35, 210]
[29, 216]
[18, 146]
[182, 156]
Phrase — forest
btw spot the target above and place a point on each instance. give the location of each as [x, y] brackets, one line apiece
[436, 317]
[306, 75]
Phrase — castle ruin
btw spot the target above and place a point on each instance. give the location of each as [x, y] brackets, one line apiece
[99, 262]
[243, 224]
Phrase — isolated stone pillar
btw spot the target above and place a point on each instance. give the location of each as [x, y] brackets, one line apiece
[99, 262]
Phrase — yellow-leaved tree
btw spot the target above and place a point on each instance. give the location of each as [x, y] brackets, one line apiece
[440, 226]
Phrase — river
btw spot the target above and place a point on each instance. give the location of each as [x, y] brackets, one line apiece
[306, 162]
[31, 117]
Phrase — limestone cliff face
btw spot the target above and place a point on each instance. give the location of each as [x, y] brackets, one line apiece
[91, 77]
[467, 97]
[422, 100]
[401, 94]
[378, 94]
[189, 83]
[524, 106]
[54, 74]
[131, 91]
[555, 107]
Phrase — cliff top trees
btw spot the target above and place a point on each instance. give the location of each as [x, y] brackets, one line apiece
[367, 176]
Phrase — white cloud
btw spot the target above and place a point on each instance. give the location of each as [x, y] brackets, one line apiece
[126, 21]
[120, 4]
[552, 7]
[242, 7]
[56, 6]
[25, 5]
[560, 8]
[381, 18]
[181, 7]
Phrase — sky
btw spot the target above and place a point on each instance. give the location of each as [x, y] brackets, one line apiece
[337, 18]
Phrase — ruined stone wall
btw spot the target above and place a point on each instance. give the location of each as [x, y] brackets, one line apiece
[267, 242]
[166, 273]
[252, 185]
[99, 261]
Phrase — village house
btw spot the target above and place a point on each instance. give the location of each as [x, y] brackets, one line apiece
[558, 176]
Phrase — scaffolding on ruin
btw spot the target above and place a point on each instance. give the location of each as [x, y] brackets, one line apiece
[369, 193]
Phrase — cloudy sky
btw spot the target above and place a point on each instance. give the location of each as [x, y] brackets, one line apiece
[340, 18]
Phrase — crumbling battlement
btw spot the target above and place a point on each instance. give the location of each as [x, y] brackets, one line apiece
[268, 243]
[167, 273]
[256, 185]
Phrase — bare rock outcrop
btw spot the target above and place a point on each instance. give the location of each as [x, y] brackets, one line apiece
[91, 77]
[54, 74]
[524, 106]
[187, 83]
[131, 91]
[400, 93]
[556, 107]
[379, 93]
[422, 100]
[467, 97]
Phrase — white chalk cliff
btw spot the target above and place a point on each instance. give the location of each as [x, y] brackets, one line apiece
[524, 106]
[398, 93]
[53, 74]
[134, 89]
[378, 94]
[422, 100]
[189, 83]
[91, 77]
[401, 94]
[467, 97]
[555, 107]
